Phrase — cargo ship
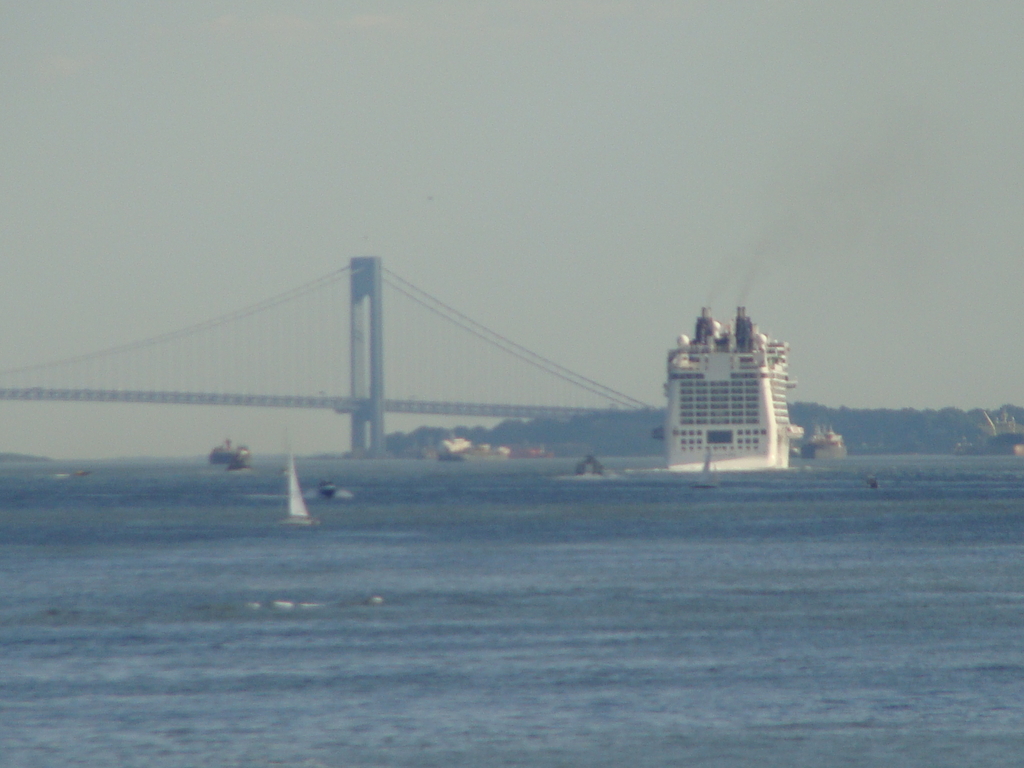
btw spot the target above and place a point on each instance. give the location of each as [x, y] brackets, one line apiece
[1005, 435]
[234, 456]
[727, 398]
[461, 449]
[825, 444]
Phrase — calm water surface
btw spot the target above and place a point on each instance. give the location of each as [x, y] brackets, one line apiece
[157, 614]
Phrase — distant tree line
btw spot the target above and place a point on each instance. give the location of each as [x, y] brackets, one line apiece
[628, 433]
[21, 457]
[883, 430]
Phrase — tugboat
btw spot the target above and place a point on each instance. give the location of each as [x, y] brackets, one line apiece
[590, 466]
[241, 460]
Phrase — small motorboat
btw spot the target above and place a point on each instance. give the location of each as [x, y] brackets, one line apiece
[327, 489]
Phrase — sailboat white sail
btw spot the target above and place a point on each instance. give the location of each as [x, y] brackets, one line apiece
[708, 478]
[298, 514]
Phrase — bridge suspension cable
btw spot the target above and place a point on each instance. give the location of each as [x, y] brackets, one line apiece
[288, 351]
[495, 339]
[222, 320]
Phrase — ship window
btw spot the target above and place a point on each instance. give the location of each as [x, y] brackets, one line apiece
[719, 435]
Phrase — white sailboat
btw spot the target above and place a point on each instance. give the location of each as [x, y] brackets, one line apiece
[708, 478]
[298, 514]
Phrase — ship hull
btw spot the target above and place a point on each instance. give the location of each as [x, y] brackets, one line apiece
[733, 464]
[220, 455]
[472, 456]
[1005, 445]
[812, 451]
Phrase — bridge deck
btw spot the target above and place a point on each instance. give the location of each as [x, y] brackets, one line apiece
[337, 404]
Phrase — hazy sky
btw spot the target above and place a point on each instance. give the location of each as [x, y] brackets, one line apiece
[580, 176]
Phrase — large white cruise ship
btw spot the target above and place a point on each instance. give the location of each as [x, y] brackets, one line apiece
[727, 398]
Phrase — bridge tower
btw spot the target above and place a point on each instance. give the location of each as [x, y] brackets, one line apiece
[367, 351]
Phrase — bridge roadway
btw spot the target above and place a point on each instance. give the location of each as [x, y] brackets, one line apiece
[337, 404]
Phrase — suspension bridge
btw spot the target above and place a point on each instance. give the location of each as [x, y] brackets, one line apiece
[287, 352]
